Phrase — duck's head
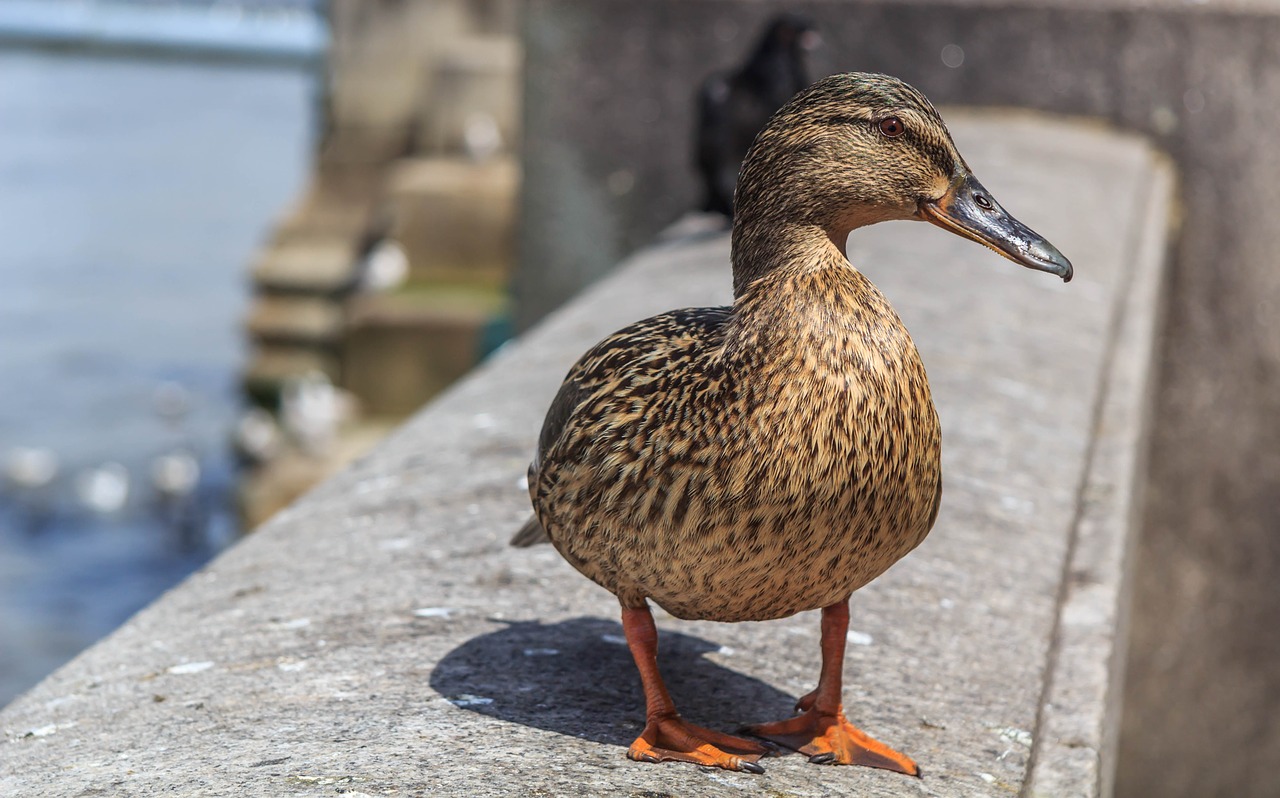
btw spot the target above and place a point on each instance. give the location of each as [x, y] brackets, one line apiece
[855, 149]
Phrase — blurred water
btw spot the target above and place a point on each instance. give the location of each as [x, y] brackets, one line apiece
[286, 30]
[132, 194]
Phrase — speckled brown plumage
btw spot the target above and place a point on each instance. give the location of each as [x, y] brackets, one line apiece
[746, 465]
[754, 461]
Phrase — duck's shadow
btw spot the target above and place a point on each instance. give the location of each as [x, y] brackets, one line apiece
[577, 678]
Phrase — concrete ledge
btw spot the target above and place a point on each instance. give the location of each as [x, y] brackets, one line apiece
[380, 638]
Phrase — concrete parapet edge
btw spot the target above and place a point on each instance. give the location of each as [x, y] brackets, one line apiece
[1077, 732]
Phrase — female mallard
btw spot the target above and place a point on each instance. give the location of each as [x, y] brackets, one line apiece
[750, 462]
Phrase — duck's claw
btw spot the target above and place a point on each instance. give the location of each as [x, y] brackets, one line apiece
[673, 740]
[832, 740]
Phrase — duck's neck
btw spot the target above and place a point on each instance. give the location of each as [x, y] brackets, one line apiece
[761, 249]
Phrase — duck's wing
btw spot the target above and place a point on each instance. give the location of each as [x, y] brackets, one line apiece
[573, 390]
[610, 369]
[567, 398]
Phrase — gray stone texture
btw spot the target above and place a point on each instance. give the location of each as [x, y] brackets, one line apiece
[381, 638]
[608, 154]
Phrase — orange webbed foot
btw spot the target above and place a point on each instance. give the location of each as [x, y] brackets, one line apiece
[671, 739]
[830, 739]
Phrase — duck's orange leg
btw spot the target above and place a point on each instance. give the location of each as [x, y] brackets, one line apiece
[667, 737]
[822, 731]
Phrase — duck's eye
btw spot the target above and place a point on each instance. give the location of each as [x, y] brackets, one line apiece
[892, 127]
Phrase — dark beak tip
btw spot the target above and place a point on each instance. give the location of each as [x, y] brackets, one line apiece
[1051, 260]
[1067, 270]
[1062, 267]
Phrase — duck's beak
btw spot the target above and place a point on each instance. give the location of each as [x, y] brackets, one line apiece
[969, 210]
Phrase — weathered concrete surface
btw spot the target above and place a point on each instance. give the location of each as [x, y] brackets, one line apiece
[380, 637]
[608, 162]
[1079, 728]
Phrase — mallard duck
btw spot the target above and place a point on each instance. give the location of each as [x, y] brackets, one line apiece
[750, 462]
[734, 106]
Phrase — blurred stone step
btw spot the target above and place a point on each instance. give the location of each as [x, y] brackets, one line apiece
[322, 266]
[295, 319]
[475, 81]
[455, 218]
[340, 203]
[401, 349]
[271, 364]
[357, 148]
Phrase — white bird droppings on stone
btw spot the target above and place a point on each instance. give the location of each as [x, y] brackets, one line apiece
[296, 623]
[1084, 613]
[190, 667]
[946, 603]
[395, 544]
[859, 638]
[44, 731]
[1014, 504]
[433, 612]
[541, 652]
[615, 639]
[291, 666]
[987, 777]
[377, 484]
[468, 700]
[66, 699]
[726, 651]
[1016, 735]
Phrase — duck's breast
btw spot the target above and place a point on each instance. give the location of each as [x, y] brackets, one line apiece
[828, 476]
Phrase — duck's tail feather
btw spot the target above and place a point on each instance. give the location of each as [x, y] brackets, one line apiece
[531, 534]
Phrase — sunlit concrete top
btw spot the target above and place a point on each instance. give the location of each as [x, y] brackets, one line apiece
[380, 637]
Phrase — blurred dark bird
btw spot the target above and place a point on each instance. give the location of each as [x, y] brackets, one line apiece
[734, 106]
[750, 462]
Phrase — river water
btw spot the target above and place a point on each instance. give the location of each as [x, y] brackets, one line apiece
[132, 196]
